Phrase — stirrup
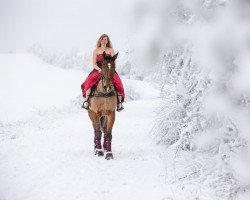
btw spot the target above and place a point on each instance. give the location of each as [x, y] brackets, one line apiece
[119, 102]
[84, 106]
[87, 100]
[121, 108]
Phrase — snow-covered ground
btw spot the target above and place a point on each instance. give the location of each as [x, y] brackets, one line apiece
[47, 139]
[47, 142]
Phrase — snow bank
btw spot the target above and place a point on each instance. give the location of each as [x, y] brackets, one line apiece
[27, 84]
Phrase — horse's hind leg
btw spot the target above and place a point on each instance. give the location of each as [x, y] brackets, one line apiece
[108, 135]
[98, 134]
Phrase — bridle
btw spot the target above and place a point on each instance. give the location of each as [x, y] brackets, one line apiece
[109, 94]
[103, 78]
[104, 87]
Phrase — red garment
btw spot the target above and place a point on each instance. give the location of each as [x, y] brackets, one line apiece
[94, 76]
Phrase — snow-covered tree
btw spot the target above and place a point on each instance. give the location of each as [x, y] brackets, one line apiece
[202, 70]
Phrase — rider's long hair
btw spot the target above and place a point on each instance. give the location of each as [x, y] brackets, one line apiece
[109, 44]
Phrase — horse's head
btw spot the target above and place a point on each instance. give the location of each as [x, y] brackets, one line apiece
[108, 71]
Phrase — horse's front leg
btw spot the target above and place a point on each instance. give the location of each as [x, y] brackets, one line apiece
[108, 135]
[97, 133]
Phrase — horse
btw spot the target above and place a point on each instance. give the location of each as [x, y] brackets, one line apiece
[102, 106]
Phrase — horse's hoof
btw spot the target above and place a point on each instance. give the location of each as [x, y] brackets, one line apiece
[99, 152]
[109, 156]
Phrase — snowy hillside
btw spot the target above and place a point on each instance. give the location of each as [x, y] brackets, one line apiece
[28, 85]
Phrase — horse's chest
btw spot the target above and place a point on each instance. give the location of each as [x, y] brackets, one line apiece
[103, 105]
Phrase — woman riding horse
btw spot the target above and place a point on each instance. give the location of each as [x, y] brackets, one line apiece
[103, 45]
[106, 95]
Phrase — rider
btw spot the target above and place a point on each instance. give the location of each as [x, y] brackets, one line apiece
[103, 44]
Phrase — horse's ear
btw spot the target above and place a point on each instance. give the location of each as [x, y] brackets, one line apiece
[115, 56]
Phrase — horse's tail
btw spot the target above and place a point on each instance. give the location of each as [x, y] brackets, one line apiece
[103, 122]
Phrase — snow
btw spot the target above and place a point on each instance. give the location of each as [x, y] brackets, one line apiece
[49, 155]
[58, 162]
[133, 90]
[27, 84]
[198, 51]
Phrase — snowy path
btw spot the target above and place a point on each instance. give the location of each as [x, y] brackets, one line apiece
[53, 159]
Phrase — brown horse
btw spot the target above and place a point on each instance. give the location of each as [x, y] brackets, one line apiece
[102, 107]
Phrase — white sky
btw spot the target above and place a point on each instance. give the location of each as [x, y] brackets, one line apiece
[61, 24]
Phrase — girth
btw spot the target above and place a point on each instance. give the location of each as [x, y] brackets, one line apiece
[99, 94]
